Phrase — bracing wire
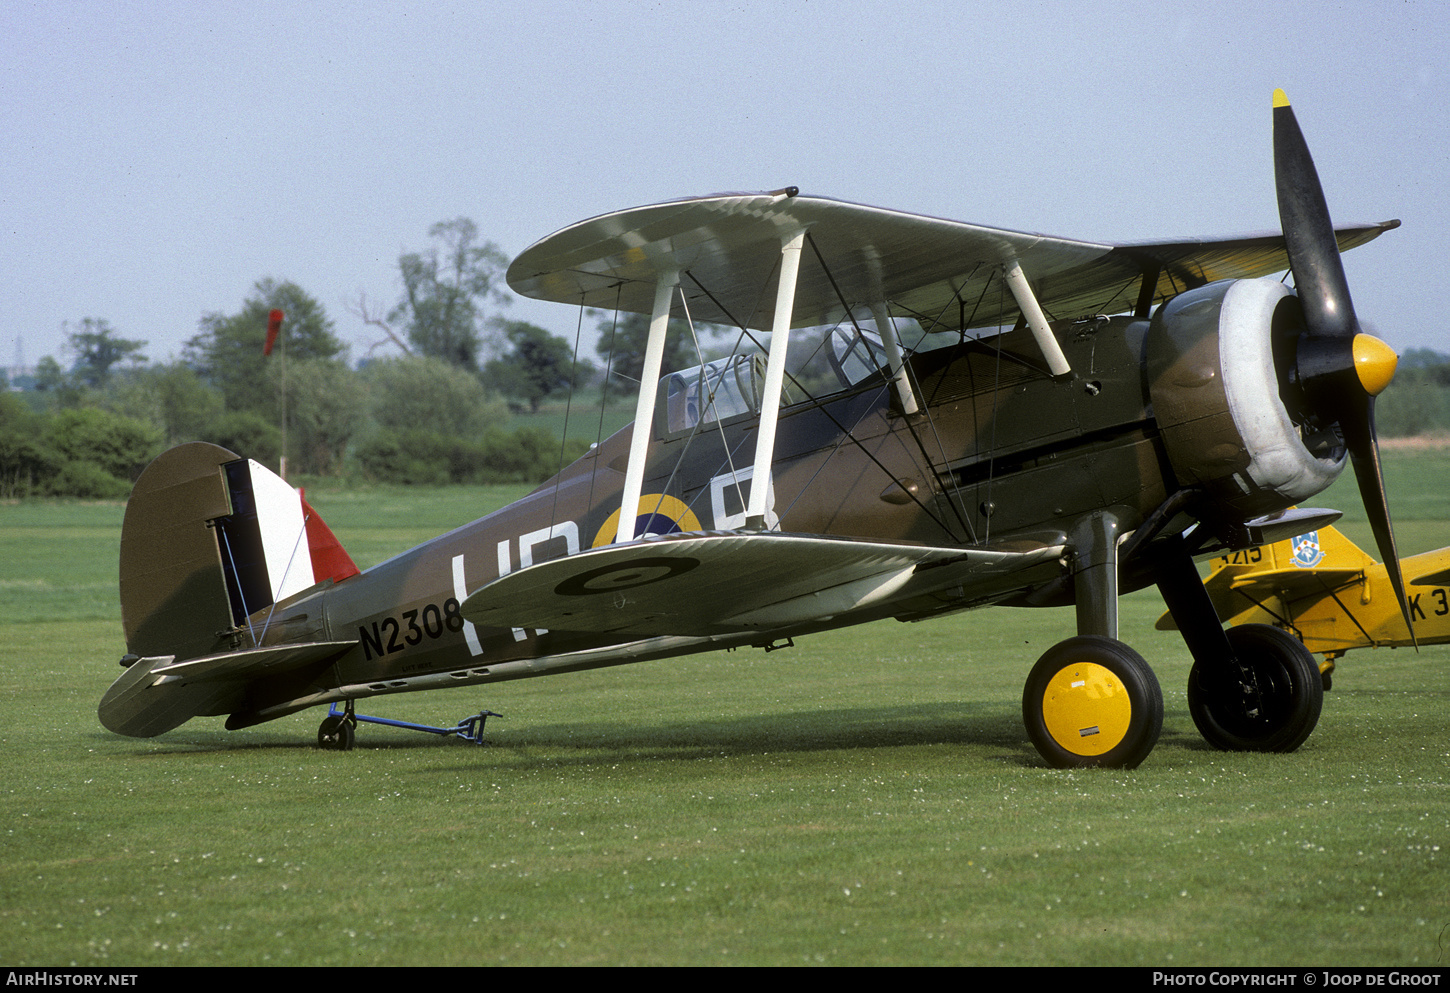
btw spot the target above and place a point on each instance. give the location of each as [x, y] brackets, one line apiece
[241, 594]
[604, 388]
[568, 409]
[817, 402]
[301, 536]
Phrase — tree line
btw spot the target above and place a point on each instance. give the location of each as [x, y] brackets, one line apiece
[429, 402]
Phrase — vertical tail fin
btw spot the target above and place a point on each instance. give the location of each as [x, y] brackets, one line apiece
[173, 589]
[208, 540]
[1322, 549]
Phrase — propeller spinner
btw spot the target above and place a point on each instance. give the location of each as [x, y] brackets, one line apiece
[1340, 368]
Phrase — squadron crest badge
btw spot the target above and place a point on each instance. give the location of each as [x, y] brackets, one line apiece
[1307, 553]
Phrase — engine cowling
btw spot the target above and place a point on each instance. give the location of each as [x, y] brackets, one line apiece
[1217, 378]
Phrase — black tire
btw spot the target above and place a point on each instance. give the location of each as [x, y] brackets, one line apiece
[336, 734]
[1092, 701]
[1290, 694]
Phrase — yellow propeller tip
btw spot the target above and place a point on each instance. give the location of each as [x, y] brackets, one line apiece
[1281, 99]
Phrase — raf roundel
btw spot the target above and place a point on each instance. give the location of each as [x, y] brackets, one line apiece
[659, 513]
[626, 575]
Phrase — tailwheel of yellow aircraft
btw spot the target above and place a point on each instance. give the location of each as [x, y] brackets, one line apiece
[1092, 701]
[336, 733]
[1269, 702]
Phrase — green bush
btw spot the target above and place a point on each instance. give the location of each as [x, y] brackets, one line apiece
[424, 458]
[26, 464]
[427, 394]
[251, 436]
[87, 481]
[413, 458]
[120, 446]
[1415, 404]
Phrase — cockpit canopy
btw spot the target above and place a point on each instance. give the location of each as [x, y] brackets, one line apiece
[822, 362]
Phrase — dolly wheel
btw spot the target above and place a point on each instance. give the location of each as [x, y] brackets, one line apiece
[336, 733]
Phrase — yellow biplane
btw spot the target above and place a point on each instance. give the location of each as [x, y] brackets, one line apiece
[1332, 596]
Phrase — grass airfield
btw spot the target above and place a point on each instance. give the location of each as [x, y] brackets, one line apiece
[868, 797]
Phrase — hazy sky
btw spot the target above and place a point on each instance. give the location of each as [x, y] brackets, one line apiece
[161, 157]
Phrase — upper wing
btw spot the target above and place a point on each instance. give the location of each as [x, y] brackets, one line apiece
[1285, 575]
[1290, 585]
[939, 271]
[721, 583]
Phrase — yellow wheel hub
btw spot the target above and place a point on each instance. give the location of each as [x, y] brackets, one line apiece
[1086, 709]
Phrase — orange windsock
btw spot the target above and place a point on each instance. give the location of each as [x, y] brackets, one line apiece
[274, 325]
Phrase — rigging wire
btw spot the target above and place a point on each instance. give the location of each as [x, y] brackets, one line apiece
[604, 388]
[568, 408]
[699, 420]
[301, 535]
[819, 404]
[237, 576]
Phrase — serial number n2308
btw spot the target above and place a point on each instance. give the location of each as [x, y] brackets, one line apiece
[393, 634]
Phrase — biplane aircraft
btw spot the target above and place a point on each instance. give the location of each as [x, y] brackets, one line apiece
[862, 454]
[1331, 595]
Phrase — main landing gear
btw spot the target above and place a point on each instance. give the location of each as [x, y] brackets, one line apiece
[1254, 688]
[338, 731]
[1092, 701]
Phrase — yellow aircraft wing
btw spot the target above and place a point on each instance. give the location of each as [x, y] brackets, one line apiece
[1440, 577]
[1321, 587]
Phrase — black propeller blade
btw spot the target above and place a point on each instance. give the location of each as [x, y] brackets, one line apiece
[1340, 368]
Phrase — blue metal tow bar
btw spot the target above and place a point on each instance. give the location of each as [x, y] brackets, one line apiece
[469, 729]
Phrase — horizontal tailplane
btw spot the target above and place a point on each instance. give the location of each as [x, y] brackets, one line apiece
[155, 695]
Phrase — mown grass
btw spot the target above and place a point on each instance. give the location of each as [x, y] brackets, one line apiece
[583, 416]
[868, 797]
